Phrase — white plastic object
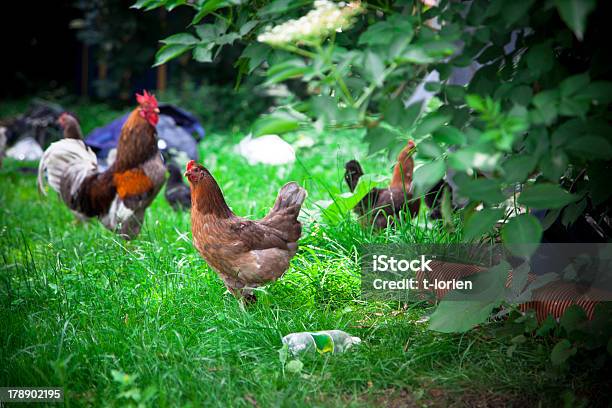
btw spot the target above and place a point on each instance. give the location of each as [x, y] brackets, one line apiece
[335, 341]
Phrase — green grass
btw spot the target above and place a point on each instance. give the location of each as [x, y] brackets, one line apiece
[80, 306]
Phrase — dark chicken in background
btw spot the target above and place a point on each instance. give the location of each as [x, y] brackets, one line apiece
[119, 196]
[245, 254]
[177, 193]
[381, 205]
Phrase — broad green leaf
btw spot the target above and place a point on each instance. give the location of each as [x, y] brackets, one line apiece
[428, 175]
[430, 149]
[379, 138]
[203, 53]
[294, 366]
[590, 147]
[168, 52]
[181, 38]
[281, 6]
[562, 351]
[518, 167]
[431, 123]
[459, 316]
[572, 212]
[208, 7]
[460, 311]
[546, 195]
[449, 135]
[481, 189]
[256, 53]
[553, 165]
[374, 68]
[415, 54]
[283, 353]
[276, 123]
[472, 157]
[247, 27]
[573, 319]
[294, 68]
[521, 234]
[384, 32]
[481, 223]
[574, 13]
[341, 205]
[571, 85]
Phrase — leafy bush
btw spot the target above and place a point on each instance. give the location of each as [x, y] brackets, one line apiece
[523, 111]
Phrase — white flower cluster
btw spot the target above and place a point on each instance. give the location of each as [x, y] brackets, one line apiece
[326, 17]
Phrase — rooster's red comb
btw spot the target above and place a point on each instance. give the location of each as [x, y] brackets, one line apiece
[190, 164]
[146, 99]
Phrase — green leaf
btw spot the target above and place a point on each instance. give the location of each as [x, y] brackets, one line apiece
[521, 234]
[431, 123]
[472, 157]
[572, 212]
[294, 366]
[547, 325]
[208, 7]
[481, 189]
[571, 85]
[341, 205]
[562, 351]
[574, 13]
[293, 68]
[170, 51]
[546, 195]
[460, 311]
[283, 353]
[256, 53]
[276, 123]
[553, 165]
[430, 149]
[517, 168]
[573, 319]
[281, 7]
[386, 32]
[379, 138]
[428, 175]
[374, 68]
[415, 54]
[449, 135]
[181, 38]
[203, 53]
[481, 223]
[590, 147]
[460, 316]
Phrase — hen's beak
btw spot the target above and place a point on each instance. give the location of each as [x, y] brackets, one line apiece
[156, 110]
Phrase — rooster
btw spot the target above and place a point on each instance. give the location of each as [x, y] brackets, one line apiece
[119, 196]
[383, 203]
[245, 254]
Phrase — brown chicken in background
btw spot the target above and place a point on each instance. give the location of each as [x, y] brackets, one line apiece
[245, 254]
[119, 196]
[381, 205]
[70, 126]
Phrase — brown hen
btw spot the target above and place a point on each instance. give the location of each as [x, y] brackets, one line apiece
[245, 254]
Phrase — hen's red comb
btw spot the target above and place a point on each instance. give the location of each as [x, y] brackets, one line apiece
[190, 164]
[146, 99]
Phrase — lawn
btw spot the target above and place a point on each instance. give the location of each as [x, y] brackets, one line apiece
[146, 321]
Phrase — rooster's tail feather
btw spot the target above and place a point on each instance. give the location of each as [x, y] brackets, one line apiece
[68, 159]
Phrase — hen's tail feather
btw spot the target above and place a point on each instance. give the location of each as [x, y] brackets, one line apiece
[69, 160]
[290, 195]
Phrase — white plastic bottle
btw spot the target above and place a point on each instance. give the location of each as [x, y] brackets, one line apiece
[335, 341]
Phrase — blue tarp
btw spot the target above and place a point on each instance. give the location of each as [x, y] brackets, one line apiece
[178, 128]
